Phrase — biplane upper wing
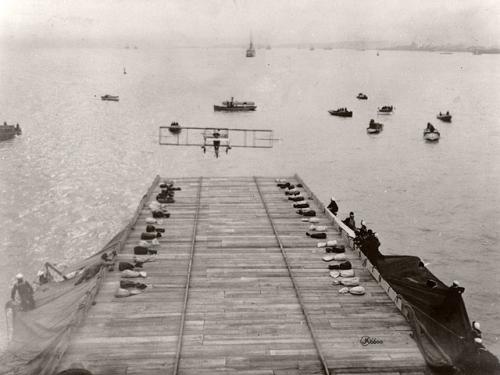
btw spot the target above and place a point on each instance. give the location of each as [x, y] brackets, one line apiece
[196, 136]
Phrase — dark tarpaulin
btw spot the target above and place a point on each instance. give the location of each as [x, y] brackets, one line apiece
[438, 316]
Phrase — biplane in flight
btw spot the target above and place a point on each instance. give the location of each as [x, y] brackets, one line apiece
[176, 135]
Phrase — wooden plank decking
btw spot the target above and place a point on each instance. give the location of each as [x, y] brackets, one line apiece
[242, 314]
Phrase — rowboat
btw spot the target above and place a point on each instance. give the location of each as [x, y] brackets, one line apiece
[111, 98]
[174, 128]
[385, 110]
[431, 136]
[446, 117]
[374, 127]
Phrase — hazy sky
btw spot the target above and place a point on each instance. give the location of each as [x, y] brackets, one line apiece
[195, 22]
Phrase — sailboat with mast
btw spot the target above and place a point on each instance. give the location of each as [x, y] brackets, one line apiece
[251, 49]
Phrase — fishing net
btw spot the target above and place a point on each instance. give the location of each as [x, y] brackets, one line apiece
[41, 336]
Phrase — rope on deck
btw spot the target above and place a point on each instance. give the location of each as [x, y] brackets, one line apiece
[297, 291]
[188, 280]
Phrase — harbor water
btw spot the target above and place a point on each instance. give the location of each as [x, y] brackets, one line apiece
[78, 171]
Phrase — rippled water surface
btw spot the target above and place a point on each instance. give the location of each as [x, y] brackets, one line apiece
[77, 173]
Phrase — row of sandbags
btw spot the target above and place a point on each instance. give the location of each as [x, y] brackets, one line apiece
[340, 268]
[133, 276]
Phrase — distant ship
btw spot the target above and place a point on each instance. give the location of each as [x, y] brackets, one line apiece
[110, 98]
[9, 131]
[251, 49]
[235, 106]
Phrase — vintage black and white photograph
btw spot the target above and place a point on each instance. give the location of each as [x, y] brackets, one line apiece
[254, 187]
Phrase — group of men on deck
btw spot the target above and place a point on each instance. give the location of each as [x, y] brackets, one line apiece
[365, 239]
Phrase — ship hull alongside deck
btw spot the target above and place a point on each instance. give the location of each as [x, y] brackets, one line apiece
[250, 306]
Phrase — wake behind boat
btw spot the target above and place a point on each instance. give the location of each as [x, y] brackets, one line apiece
[341, 112]
[111, 98]
[9, 131]
[235, 106]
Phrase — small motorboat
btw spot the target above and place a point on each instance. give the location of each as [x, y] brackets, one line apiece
[446, 117]
[431, 135]
[174, 128]
[362, 96]
[9, 131]
[385, 110]
[111, 98]
[374, 127]
[235, 106]
[341, 112]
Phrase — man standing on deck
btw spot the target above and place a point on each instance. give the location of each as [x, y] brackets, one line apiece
[333, 207]
[25, 292]
[349, 221]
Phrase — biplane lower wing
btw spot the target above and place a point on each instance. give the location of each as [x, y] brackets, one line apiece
[195, 136]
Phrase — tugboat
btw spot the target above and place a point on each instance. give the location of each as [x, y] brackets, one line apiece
[9, 131]
[233, 106]
[446, 117]
[374, 127]
[385, 110]
[110, 98]
[341, 112]
[174, 128]
[362, 96]
[431, 134]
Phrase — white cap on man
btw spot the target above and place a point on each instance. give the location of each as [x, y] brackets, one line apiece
[332, 198]
[19, 276]
[476, 325]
